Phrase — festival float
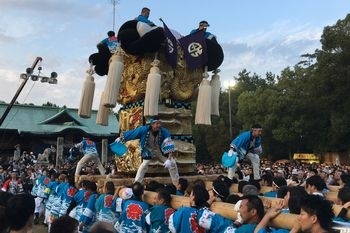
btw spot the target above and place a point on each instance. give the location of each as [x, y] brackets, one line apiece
[155, 71]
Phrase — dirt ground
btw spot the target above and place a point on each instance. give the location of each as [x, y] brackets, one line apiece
[40, 228]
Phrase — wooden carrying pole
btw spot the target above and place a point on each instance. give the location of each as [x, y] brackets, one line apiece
[226, 210]
[281, 220]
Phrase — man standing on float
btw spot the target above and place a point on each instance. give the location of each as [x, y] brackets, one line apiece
[247, 145]
[156, 144]
[88, 147]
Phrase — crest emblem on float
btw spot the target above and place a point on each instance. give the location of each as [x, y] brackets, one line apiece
[170, 46]
[195, 49]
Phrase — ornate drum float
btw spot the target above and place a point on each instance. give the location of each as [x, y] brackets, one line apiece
[146, 82]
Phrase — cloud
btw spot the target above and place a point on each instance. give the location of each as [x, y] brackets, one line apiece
[35, 5]
[53, 8]
[270, 50]
[6, 39]
[22, 29]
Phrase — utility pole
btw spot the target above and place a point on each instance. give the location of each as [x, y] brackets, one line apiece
[25, 77]
[229, 110]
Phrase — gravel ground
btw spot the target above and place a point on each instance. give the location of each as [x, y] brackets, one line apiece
[39, 229]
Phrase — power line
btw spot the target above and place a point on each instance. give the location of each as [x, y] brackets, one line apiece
[25, 98]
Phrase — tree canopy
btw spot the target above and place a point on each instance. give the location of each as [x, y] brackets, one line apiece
[304, 109]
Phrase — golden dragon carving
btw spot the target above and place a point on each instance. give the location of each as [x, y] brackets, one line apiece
[178, 84]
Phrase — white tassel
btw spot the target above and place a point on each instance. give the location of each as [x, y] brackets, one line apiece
[102, 113]
[215, 93]
[150, 107]
[87, 95]
[204, 102]
[112, 86]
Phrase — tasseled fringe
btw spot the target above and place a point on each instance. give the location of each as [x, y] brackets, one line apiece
[102, 113]
[112, 86]
[204, 102]
[215, 93]
[150, 107]
[87, 95]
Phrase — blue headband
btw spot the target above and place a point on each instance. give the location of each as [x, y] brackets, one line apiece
[151, 121]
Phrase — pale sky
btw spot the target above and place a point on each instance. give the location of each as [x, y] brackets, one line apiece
[257, 35]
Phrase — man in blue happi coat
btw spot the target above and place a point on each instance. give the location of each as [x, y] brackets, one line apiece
[247, 145]
[156, 144]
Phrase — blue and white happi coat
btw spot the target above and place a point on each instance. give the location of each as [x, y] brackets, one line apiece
[158, 218]
[132, 218]
[105, 210]
[40, 184]
[81, 199]
[89, 213]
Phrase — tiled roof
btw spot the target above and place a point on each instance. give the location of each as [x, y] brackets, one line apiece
[52, 120]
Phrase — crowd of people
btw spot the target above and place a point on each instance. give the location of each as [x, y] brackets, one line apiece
[53, 197]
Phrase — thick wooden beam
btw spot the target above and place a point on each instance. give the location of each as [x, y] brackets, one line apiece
[332, 196]
[224, 209]
[264, 189]
[333, 188]
[176, 201]
[120, 181]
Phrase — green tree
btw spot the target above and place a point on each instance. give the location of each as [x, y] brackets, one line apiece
[331, 82]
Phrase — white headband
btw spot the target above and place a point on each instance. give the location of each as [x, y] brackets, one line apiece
[217, 193]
